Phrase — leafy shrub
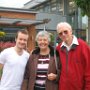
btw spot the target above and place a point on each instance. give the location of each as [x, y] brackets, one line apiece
[4, 45]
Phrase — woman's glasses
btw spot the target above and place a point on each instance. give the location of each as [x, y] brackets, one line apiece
[64, 32]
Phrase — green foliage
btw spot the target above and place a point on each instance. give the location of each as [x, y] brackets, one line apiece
[0, 73]
[84, 5]
[2, 34]
[52, 37]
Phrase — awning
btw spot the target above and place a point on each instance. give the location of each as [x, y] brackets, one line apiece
[19, 21]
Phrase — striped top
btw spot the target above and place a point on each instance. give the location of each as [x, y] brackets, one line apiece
[42, 69]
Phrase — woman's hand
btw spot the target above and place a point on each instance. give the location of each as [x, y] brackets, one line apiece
[52, 76]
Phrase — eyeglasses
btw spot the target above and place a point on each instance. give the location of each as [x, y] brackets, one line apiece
[64, 32]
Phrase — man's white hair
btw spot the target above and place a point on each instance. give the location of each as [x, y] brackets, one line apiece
[63, 24]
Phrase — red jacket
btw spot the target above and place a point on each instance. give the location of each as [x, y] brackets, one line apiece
[75, 73]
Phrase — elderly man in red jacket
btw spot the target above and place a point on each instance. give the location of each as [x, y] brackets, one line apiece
[75, 59]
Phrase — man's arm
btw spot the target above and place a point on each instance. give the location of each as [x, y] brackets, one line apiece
[24, 84]
[1, 69]
[87, 72]
[58, 66]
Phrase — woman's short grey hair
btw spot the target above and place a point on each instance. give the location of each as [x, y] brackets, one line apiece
[43, 34]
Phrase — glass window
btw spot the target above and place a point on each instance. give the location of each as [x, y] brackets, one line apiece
[71, 6]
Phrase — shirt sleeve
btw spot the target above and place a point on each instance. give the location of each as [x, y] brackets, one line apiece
[87, 68]
[3, 57]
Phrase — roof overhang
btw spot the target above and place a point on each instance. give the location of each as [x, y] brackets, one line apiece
[33, 3]
[20, 10]
[19, 21]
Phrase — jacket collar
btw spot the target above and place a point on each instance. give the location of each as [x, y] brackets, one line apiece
[72, 46]
[37, 51]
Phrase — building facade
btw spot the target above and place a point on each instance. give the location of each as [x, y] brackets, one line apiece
[57, 11]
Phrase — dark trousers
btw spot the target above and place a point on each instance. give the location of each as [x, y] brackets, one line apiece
[37, 88]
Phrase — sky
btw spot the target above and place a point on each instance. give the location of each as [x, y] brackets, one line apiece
[13, 3]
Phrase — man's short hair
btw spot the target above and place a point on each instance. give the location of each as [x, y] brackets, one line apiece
[23, 31]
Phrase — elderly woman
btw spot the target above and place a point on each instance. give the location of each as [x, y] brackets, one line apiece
[41, 71]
